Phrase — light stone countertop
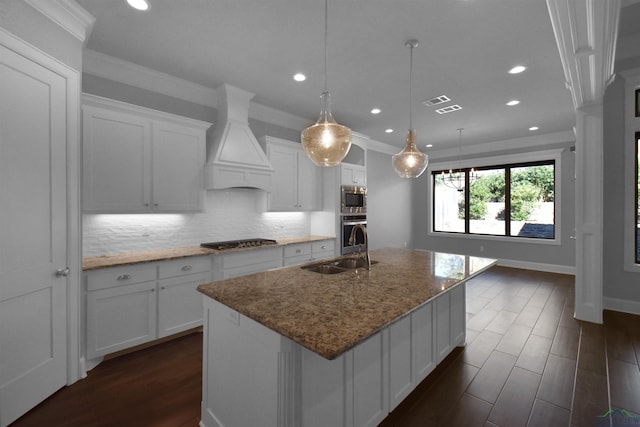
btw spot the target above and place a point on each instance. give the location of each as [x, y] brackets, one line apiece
[331, 313]
[104, 261]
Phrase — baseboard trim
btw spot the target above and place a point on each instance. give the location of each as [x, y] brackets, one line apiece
[625, 306]
[538, 266]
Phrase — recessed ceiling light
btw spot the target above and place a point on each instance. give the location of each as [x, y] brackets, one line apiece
[299, 77]
[534, 128]
[517, 69]
[376, 111]
[139, 4]
[389, 130]
[429, 145]
[513, 102]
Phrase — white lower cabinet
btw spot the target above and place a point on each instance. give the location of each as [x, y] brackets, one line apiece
[411, 353]
[367, 383]
[179, 303]
[120, 317]
[135, 304]
[300, 253]
[450, 318]
[234, 264]
[323, 249]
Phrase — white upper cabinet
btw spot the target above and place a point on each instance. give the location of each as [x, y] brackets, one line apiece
[297, 180]
[140, 160]
[353, 169]
[353, 175]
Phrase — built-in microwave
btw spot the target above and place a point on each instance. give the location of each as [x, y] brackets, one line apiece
[353, 199]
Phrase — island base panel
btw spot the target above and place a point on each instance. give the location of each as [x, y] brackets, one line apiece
[255, 376]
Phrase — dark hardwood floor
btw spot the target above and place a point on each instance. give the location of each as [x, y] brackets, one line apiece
[527, 362]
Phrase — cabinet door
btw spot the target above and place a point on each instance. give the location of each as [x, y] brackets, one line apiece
[120, 317]
[423, 355]
[368, 384]
[400, 361]
[443, 326]
[179, 303]
[353, 174]
[309, 184]
[284, 161]
[116, 167]
[178, 162]
[458, 315]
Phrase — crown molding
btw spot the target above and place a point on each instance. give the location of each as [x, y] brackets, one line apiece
[112, 68]
[531, 143]
[68, 14]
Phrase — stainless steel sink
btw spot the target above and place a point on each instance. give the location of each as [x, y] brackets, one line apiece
[324, 269]
[335, 266]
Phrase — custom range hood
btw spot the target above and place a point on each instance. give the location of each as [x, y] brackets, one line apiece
[234, 156]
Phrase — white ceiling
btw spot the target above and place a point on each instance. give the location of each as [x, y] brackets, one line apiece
[466, 48]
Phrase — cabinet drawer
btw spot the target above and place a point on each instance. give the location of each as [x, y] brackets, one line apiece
[253, 256]
[297, 250]
[123, 275]
[295, 260]
[322, 246]
[182, 266]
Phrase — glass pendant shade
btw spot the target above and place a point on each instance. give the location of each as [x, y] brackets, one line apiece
[326, 142]
[410, 162]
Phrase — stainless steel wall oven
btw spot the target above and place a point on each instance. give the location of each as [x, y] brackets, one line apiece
[348, 223]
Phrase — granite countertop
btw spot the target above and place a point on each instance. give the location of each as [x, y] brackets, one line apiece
[104, 261]
[331, 313]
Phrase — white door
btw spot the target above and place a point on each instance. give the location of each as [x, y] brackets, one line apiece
[33, 233]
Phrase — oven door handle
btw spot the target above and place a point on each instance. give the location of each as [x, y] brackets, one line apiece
[354, 222]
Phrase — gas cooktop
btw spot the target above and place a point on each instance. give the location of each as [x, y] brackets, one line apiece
[233, 244]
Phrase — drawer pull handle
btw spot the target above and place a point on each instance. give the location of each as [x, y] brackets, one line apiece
[323, 247]
[298, 251]
[152, 289]
[123, 277]
[186, 268]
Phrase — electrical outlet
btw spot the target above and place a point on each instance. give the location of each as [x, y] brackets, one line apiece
[234, 317]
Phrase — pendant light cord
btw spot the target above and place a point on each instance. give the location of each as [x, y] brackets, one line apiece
[326, 30]
[410, 83]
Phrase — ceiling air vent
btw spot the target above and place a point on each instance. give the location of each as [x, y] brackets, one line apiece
[449, 109]
[437, 100]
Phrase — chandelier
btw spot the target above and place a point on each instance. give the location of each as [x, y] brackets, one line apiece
[410, 162]
[457, 179]
[326, 142]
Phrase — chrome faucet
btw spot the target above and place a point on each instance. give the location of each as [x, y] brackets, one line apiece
[352, 241]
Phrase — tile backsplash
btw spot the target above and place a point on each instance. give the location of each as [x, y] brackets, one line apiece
[227, 215]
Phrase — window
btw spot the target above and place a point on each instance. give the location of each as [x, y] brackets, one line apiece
[516, 200]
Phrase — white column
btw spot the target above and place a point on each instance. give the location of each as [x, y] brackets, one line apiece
[586, 33]
[589, 213]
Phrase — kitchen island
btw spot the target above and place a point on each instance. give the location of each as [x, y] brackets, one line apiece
[293, 347]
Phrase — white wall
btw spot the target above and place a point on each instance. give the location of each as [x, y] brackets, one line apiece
[388, 204]
[621, 288]
[521, 253]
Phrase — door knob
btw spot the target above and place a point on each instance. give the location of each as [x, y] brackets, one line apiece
[62, 272]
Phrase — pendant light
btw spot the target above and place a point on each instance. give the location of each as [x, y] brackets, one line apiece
[457, 180]
[410, 162]
[326, 142]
